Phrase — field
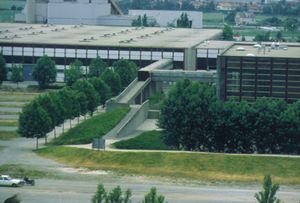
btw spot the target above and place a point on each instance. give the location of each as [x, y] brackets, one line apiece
[191, 166]
[94, 127]
[147, 140]
[212, 19]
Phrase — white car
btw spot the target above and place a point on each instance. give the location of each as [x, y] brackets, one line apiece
[6, 180]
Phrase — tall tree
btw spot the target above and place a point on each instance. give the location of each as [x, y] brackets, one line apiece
[112, 79]
[73, 73]
[145, 20]
[127, 71]
[97, 67]
[17, 74]
[44, 71]
[90, 92]
[102, 88]
[34, 121]
[183, 21]
[227, 33]
[3, 69]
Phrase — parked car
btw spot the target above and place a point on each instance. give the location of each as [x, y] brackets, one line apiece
[6, 180]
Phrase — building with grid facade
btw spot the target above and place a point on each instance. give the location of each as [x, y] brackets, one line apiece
[248, 71]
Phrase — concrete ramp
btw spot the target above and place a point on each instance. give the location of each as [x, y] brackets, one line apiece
[136, 116]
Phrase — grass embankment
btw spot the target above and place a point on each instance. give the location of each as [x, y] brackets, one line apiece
[18, 171]
[212, 19]
[94, 127]
[195, 166]
[8, 135]
[147, 140]
[9, 123]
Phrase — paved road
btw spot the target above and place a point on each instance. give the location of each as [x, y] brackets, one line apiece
[75, 187]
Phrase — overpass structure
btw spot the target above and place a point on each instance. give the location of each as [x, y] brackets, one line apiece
[151, 79]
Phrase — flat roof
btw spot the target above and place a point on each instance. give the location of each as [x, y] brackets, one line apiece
[214, 44]
[286, 50]
[84, 35]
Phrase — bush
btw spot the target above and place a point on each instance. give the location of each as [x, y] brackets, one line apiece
[147, 140]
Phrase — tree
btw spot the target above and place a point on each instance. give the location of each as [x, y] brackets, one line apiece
[47, 103]
[59, 109]
[67, 100]
[44, 71]
[112, 79]
[34, 121]
[230, 17]
[268, 124]
[115, 196]
[73, 73]
[291, 24]
[137, 22]
[183, 21]
[152, 197]
[145, 20]
[127, 71]
[227, 33]
[102, 88]
[259, 37]
[13, 8]
[90, 93]
[97, 67]
[279, 35]
[3, 69]
[290, 128]
[267, 195]
[17, 74]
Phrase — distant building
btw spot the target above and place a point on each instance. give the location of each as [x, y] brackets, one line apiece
[166, 18]
[245, 18]
[90, 12]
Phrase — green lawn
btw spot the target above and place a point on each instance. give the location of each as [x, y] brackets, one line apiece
[18, 171]
[94, 127]
[195, 166]
[254, 32]
[8, 135]
[213, 18]
[147, 140]
[8, 123]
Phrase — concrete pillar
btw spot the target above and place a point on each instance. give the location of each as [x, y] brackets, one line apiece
[190, 58]
[30, 11]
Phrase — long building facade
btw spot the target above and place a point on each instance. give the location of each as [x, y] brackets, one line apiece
[25, 44]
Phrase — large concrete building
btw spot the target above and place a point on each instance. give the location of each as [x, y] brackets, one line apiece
[25, 43]
[249, 71]
[90, 12]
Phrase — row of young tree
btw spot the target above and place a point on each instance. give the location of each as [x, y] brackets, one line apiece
[79, 97]
[52, 109]
[16, 71]
[194, 119]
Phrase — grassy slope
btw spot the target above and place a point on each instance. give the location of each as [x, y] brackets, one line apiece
[18, 171]
[147, 140]
[8, 135]
[209, 167]
[94, 127]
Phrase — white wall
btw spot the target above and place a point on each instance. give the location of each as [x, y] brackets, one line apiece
[76, 13]
[163, 17]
